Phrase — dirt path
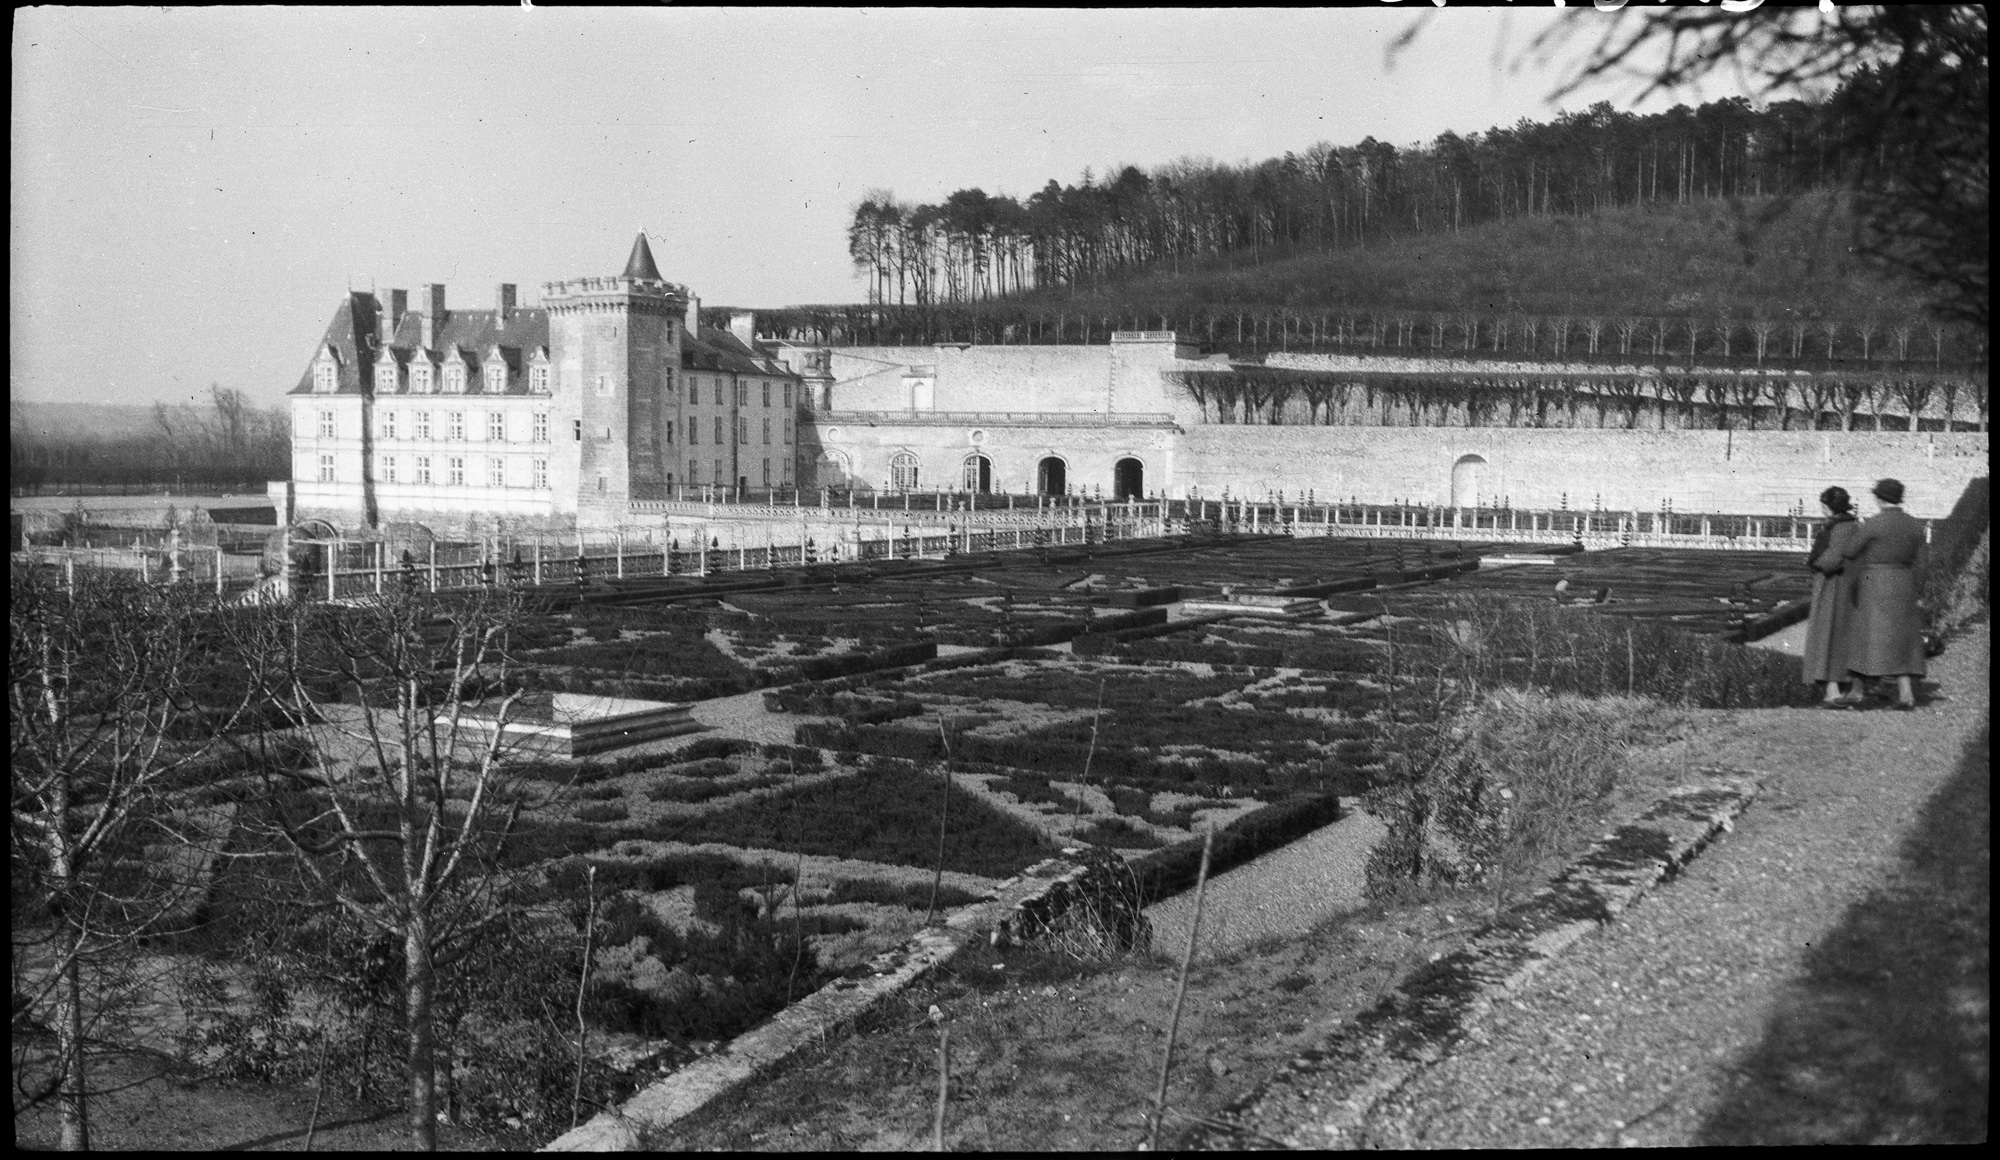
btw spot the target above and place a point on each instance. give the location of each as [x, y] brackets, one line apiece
[1789, 988]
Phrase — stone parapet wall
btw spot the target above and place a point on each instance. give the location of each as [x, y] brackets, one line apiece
[1754, 472]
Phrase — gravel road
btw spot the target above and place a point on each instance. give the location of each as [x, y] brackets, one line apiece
[1283, 894]
[1641, 1033]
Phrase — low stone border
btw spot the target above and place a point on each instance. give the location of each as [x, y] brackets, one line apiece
[1328, 1092]
[1022, 905]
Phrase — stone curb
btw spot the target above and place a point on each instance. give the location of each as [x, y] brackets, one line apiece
[1328, 1092]
[828, 1011]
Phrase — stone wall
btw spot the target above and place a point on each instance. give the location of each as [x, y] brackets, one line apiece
[842, 453]
[1120, 376]
[1729, 471]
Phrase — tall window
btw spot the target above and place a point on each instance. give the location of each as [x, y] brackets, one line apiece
[541, 426]
[496, 378]
[767, 428]
[454, 378]
[385, 379]
[538, 380]
[423, 425]
[388, 469]
[455, 471]
[423, 469]
[721, 479]
[670, 430]
[742, 394]
[786, 464]
[767, 473]
[788, 396]
[788, 431]
[718, 429]
[420, 378]
[496, 426]
[694, 470]
[326, 469]
[326, 427]
[576, 428]
[903, 471]
[767, 394]
[542, 474]
[388, 424]
[496, 471]
[743, 430]
[455, 425]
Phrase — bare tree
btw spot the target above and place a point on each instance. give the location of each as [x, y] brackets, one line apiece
[403, 815]
[1627, 328]
[104, 731]
[1761, 328]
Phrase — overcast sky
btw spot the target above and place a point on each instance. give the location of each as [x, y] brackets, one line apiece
[194, 189]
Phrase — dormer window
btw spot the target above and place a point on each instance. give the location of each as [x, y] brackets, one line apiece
[326, 374]
[420, 378]
[385, 378]
[454, 378]
[538, 380]
[496, 378]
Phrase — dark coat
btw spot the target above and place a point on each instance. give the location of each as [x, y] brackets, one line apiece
[1829, 634]
[1888, 630]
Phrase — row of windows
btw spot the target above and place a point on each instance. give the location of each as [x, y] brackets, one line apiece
[719, 472]
[390, 425]
[420, 471]
[718, 386]
[454, 379]
[721, 430]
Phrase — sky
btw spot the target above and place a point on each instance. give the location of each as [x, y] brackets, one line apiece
[194, 189]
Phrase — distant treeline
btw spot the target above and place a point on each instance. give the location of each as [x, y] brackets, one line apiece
[227, 444]
[974, 246]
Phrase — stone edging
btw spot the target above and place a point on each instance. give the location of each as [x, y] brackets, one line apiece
[1023, 901]
[1328, 1092]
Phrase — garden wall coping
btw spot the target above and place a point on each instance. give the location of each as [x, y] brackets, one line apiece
[831, 1010]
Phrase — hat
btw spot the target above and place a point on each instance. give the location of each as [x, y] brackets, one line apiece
[1889, 490]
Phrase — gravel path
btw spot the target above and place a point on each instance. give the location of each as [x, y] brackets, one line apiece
[1639, 1035]
[1283, 894]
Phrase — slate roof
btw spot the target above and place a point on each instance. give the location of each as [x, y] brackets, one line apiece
[721, 350]
[640, 264]
[352, 336]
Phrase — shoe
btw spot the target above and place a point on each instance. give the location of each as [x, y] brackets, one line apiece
[1906, 706]
[1849, 700]
[1838, 705]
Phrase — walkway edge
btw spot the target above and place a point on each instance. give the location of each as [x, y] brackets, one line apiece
[1325, 1096]
[828, 1011]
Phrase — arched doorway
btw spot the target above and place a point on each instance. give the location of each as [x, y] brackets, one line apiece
[903, 472]
[1468, 481]
[1128, 479]
[1052, 476]
[978, 474]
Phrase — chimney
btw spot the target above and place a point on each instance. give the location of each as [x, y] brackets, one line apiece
[694, 317]
[391, 314]
[743, 324]
[433, 314]
[503, 301]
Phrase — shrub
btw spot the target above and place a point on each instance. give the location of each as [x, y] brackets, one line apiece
[1958, 548]
[604, 812]
[1118, 833]
[1169, 871]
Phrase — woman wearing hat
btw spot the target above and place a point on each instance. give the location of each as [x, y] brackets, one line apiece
[1887, 632]
[1829, 630]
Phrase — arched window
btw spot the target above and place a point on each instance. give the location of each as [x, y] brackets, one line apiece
[978, 476]
[903, 472]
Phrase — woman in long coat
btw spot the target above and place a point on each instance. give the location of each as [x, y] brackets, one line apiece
[1888, 630]
[1828, 632]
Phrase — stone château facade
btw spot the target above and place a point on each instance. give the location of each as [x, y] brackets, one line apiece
[610, 393]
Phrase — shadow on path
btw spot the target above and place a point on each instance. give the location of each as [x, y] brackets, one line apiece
[1886, 1037]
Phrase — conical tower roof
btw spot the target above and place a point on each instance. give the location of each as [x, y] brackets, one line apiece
[640, 264]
